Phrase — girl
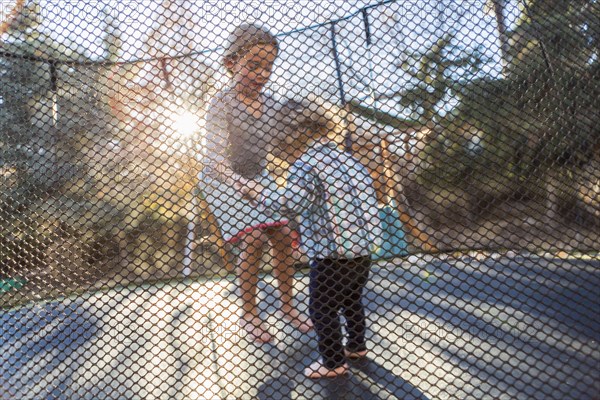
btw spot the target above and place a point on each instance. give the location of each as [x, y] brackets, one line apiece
[239, 137]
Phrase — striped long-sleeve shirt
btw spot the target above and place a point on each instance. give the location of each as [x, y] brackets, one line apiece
[332, 194]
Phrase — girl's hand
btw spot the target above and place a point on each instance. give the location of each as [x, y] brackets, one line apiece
[252, 190]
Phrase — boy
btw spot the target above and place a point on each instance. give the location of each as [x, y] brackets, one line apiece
[332, 195]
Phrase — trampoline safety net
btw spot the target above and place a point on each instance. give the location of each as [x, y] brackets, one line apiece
[300, 200]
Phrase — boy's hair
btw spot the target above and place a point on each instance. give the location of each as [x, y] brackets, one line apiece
[302, 121]
[244, 37]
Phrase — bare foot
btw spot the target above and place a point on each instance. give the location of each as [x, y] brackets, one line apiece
[317, 370]
[299, 321]
[256, 329]
[355, 355]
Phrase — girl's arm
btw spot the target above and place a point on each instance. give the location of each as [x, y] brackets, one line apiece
[300, 193]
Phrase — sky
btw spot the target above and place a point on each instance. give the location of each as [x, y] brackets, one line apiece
[306, 62]
[210, 18]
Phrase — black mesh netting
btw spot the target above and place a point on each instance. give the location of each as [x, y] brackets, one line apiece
[300, 200]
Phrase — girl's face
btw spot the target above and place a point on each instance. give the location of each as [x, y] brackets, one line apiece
[252, 70]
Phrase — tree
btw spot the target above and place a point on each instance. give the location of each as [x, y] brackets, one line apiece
[499, 7]
[50, 109]
[157, 102]
[543, 118]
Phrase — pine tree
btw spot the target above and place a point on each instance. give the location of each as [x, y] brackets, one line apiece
[541, 122]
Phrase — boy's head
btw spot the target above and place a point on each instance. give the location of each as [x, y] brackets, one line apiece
[302, 122]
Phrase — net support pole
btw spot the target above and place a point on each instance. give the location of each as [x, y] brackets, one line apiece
[338, 65]
[54, 90]
[338, 70]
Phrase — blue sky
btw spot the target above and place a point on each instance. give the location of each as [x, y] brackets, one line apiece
[398, 28]
[82, 21]
[69, 18]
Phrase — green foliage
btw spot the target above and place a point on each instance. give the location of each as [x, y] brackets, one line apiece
[431, 72]
[524, 136]
[46, 112]
[543, 117]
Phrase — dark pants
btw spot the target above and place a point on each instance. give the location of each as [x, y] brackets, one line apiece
[337, 285]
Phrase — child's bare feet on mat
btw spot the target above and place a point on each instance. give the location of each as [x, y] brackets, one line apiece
[355, 355]
[297, 320]
[317, 370]
[255, 328]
